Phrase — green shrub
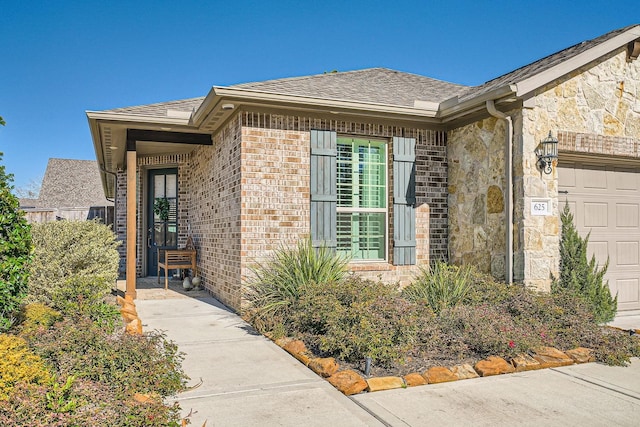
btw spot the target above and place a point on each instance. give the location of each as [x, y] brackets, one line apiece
[357, 318]
[580, 276]
[75, 265]
[82, 403]
[37, 317]
[441, 286]
[277, 283]
[19, 364]
[126, 363]
[15, 250]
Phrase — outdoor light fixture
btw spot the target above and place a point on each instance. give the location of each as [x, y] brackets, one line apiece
[547, 152]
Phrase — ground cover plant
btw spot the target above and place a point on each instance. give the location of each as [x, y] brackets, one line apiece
[449, 315]
[66, 360]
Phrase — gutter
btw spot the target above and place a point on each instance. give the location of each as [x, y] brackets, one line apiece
[212, 104]
[491, 108]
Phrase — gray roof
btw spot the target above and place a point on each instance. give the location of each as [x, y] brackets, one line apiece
[372, 85]
[540, 65]
[380, 85]
[160, 109]
[71, 183]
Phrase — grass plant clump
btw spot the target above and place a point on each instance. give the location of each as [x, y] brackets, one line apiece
[278, 282]
[441, 286]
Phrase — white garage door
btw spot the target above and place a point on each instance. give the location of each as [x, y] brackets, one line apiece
[605, 200]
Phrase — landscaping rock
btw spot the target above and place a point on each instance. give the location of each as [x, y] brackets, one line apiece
[147, 397]
[348, 382]
[295, 347]
[550, 357]
[128, 315]
[282, 342]
[493, 365]
[325, 366]
[581, 355]
[439, 374]
[464, 372]
[414, 379]
[524, 362]
[384, 383]
[134, 327]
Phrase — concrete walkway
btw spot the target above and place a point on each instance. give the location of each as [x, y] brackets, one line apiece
[247, 380]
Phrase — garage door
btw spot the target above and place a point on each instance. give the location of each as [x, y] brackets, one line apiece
[606, 202]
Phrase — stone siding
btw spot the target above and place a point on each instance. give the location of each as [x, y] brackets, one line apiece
[595, 111]
[476, 195]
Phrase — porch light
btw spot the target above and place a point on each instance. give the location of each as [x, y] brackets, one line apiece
[547, 152]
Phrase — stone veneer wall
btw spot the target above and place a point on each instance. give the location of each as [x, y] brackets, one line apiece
[602, 100]
[214, 194]
[275, 188]
[595, 110]
[476, 195]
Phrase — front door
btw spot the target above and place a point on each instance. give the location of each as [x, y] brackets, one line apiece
[162, 208]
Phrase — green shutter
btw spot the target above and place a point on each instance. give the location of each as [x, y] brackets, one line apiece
[323, 189]
[404, 201]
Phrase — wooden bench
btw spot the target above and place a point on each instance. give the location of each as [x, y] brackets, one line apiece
[170, 259]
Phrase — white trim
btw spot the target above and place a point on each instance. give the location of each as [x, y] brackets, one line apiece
[565, 67]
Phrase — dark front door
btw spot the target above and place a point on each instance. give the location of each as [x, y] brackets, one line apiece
[162, 208]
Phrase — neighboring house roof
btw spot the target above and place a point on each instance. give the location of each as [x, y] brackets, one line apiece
[26, 203]
[71, 183]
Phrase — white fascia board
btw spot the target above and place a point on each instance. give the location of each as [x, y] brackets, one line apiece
[137, 118]
[217, 94]
[539, 80]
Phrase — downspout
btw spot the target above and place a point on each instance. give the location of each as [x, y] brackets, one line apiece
[491, 108]
[115, 195]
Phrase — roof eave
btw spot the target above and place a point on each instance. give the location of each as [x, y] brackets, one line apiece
[452, 109]
[531, 84]
[213, 106]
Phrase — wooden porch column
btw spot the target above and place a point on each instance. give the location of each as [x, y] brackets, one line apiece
[131, 224]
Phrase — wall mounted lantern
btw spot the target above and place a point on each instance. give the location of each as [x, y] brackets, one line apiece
[547, 152]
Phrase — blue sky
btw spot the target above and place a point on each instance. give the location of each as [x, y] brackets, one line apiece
[59, 59]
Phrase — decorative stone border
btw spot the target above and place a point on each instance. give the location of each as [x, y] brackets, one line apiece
[350, 382]
[133, 324]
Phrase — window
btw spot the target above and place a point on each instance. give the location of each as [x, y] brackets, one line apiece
[348, 192]
[361, 212]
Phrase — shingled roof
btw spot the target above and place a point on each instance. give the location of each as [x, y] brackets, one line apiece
[160, 109]
[381, 85]
[541, 65]
[71, 183]
[372, 85]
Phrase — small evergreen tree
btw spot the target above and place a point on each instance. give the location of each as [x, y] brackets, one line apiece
[15, 251]
[582, 277]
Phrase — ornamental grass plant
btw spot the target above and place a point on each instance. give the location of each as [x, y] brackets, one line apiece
[277, 282]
